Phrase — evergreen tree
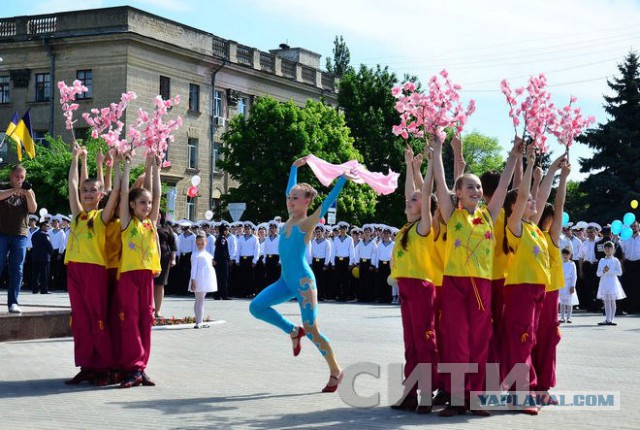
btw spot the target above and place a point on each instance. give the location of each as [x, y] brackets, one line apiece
[339, 65]
[616, 145]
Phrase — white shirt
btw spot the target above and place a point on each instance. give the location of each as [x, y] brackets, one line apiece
[385, 250]
[631, 248]
[321, 249]
[30, 232]
[588, 250]
[232, 245]
[248, 247]
[271, 245]
[211, 244]
[367, 251]
[342, 249]
[186, 244]
[58, 240]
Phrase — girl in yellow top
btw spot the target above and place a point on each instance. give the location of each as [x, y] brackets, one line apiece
[411, 267]
[466, 285]
[548, 334]
[87, 276]
[140, 262]
[527, 276]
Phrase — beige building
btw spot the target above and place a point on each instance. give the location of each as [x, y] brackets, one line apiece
[121, 49]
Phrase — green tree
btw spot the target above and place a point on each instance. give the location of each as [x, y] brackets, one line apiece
[258, 152]
[577, 202]
[48, 172]
[339, 65]
[614, 179]
[482, 153]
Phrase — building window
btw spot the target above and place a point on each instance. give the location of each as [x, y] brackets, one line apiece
[192, 204]
[43, 87]
[217, 103]
[215, 157]
[4, 89]
[39, 137]
[194, 98]
[86, 77]
[192, 153]
[243, 103]
[165, 88]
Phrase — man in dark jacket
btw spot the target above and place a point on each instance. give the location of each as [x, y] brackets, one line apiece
[41, 252]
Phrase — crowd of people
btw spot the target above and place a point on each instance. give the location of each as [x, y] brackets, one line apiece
[480, 272]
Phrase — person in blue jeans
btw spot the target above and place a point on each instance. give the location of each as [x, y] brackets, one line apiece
[17, 200]
[297, 279]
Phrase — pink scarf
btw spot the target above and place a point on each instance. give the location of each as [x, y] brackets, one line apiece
[327, 172]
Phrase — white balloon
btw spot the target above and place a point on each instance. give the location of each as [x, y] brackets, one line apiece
[208, 215]
[43, 212]
[195, 180]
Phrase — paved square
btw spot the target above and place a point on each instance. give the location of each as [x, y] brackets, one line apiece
[242, 375]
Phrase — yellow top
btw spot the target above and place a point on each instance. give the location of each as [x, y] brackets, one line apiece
[555, 263]
[470, 244]
[530, 263]
[87, 239]
[140, 247]
[414, 262]
[437, 253]
[500, 258]
[114, 244]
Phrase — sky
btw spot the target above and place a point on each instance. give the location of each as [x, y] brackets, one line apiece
[578, 44]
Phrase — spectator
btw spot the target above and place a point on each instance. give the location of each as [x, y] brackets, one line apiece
[17, 200]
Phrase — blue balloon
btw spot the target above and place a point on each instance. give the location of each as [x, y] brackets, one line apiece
[565, 219]
[628, 219]
[616, 227]
[626, 233]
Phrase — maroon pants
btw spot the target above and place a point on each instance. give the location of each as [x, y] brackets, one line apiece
[497, 305]
[522, 309]
[547, 339]
[466, 327]
[417, 307]
[134, 299]
[87, 284]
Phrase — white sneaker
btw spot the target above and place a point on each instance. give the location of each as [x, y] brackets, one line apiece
[15, 309]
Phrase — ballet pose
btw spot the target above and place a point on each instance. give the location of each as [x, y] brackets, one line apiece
[297, 279]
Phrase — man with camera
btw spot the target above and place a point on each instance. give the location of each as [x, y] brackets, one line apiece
[16, 203]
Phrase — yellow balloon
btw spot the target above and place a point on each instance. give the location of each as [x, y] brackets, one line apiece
[634, 204]
[356, 272]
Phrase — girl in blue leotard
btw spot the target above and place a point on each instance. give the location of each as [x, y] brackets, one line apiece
[297, 280]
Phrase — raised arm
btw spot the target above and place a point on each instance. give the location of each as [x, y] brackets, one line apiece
[156, 189]
[545, 187]
[515, 220]
[84, 175]
[293, 174]
[74, 198]
[442, 191]
[459, 165]
[100, 173]
[561, 193]
[108, 167]
[114, 197]
[424, 226]
[125, 216]
[497, 200]
[148, 173]
[536, 179]
[417, 176]
[409, 185]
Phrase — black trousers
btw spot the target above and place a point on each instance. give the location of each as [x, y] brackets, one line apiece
[272, 269]
[342, 279]
[245, 281]
[383, 291]
[320, 273]
[222, 276]
[41, 277]
[366, 283]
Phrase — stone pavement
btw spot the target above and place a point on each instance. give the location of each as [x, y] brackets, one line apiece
[242, 375]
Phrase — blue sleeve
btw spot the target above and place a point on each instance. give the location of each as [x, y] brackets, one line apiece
[293, 179]
[332, 197]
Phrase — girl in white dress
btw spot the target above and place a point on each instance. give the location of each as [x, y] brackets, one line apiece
[203, 277]
[610, 289]
[568, 296]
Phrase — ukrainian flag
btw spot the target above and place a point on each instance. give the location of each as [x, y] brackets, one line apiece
[21, 133]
